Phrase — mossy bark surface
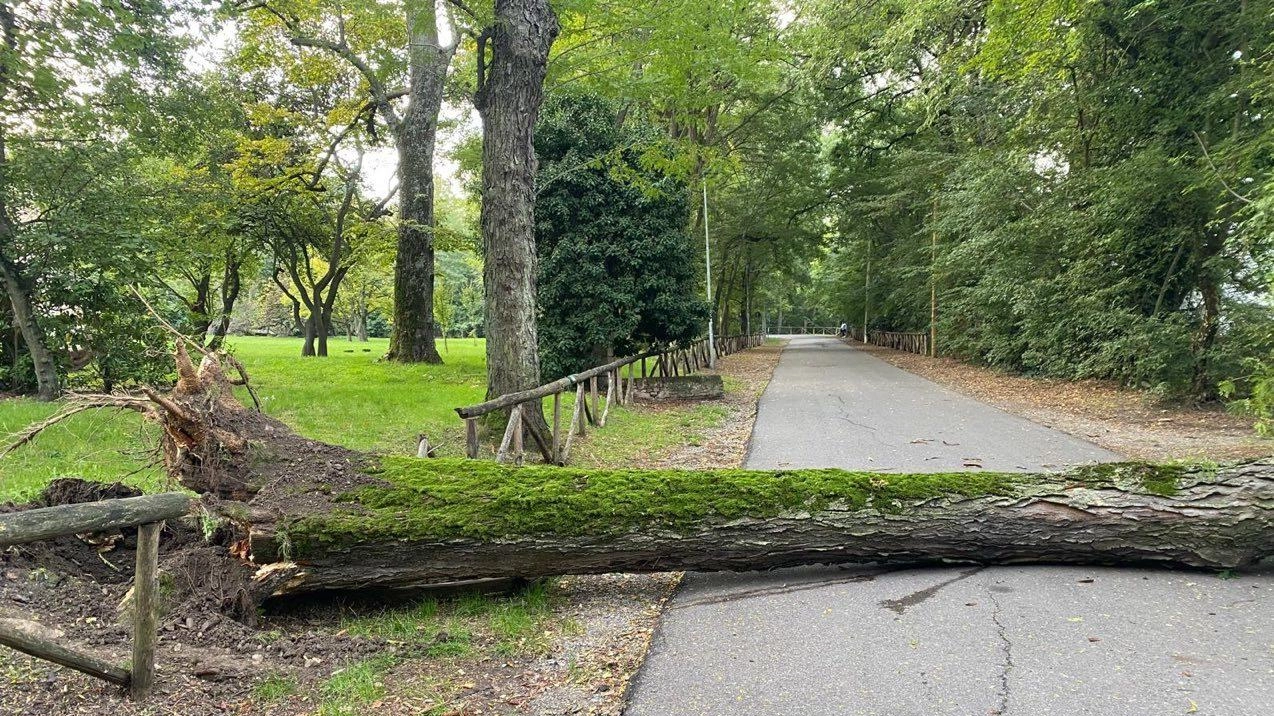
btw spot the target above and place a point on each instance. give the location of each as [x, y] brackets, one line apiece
[440, 520]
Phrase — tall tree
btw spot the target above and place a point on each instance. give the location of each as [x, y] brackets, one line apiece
[382, 42]
[618, 272]
[509, 94]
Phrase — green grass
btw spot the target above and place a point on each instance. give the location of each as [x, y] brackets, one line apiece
[349, 692]
[98, 445]
[646, 430]
[451, 633]
[274, 687]
[511, 624]
[350, 398]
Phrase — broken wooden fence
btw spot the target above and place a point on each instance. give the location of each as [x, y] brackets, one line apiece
[912, 342]
[147, 513]
[620, 377]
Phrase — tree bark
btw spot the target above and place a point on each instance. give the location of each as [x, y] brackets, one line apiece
[311, 335]
[509, 96]
[428, 60]
[231, 284]
[19, 293]
[1220, 520]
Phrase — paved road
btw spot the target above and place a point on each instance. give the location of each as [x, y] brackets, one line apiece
[960, 641]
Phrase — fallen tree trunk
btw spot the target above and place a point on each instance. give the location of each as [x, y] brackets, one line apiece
[306, 516]
[447, 520]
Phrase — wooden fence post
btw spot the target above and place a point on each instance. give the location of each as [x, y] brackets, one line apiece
[557, 425]
[145, 610]
[519, 454]
[471, 437]
[610, 398]
[515, 419]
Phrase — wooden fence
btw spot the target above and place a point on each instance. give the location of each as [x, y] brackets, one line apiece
[805, 331]
[620, 378]
[914, 342]
[147, 514]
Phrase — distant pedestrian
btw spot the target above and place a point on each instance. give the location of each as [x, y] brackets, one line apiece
[844, 330]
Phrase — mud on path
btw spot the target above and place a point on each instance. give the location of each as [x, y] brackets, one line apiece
[1130, 422]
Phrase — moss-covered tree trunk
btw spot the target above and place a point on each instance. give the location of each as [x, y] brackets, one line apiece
[457, 520]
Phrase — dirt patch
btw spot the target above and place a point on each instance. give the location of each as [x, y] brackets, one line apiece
[599, 634]
[1130, 422]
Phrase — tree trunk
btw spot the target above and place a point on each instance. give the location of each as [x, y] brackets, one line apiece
[46, 373]
[230, 287]
[324, 329]
[311, 335]
[1219, 519]
[509, 96]
[413, 336]
[1203, 385]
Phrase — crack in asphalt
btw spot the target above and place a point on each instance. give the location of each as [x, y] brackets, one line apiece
[1002, 694]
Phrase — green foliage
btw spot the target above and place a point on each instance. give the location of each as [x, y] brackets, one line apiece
[616, 270]
[1258, 387]
[1064, 173]
[73, 214]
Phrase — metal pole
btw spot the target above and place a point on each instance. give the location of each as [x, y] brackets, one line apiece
[707, 260]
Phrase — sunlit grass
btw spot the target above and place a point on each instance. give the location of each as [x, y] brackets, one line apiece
[351, 398]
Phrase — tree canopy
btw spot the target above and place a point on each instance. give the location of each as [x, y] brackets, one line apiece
[1075, 189]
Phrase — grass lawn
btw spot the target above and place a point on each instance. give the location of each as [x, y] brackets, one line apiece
[350, 398]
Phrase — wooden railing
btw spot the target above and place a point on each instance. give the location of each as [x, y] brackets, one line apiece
[147, 514]
[912, 342]
[589, 408]
[805, 330]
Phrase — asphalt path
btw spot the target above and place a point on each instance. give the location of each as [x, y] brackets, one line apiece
[964, 641]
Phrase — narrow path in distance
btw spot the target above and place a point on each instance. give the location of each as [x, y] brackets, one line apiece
[963, 641]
